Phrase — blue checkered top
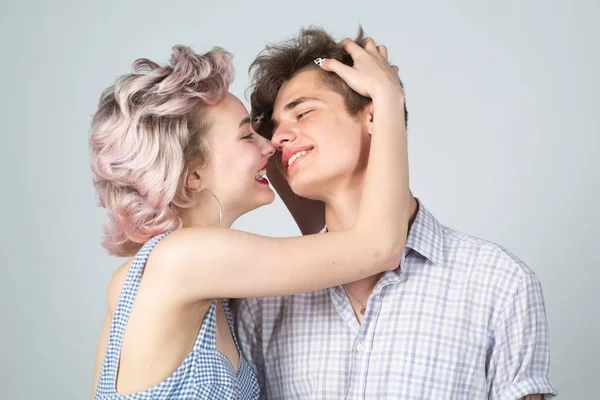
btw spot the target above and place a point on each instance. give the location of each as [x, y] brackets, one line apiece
[205, 373]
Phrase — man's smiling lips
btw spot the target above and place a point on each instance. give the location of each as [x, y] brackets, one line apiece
[291, 155]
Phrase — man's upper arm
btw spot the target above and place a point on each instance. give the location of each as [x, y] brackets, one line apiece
[520, 356]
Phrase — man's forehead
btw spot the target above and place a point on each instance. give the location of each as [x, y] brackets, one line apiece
[304, 84]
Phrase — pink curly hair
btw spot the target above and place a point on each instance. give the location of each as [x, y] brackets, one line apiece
[145, 135]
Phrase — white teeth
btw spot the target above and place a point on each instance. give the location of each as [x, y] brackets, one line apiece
[260, 174]
[296, 156]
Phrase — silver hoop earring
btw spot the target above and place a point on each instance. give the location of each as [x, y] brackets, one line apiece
[219, 203]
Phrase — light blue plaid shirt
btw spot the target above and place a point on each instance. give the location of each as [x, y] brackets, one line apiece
[461, 318]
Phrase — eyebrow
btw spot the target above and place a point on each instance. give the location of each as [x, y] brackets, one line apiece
[295, 103]
[244, 122]
[291, 105]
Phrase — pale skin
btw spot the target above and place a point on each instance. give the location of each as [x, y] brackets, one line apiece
[191, 267]
[338, 207]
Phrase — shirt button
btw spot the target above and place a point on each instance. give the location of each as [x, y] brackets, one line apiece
[360, 347]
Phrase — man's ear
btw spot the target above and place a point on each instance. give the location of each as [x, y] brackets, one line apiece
[366, 118]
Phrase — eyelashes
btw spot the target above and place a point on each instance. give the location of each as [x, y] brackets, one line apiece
[302, 115]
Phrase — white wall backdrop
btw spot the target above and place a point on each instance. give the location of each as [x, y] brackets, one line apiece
[503, 132]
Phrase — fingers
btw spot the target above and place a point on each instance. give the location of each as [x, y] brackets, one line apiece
[369, 45]
[397, 72]
[383, 51]
[344, 71]
[370, 70]
[351, 47]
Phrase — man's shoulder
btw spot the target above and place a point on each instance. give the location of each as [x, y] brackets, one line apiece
[461, 251]
[486, 272]
[466, 251]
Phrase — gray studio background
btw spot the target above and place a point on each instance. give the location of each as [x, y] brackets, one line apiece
[503, 132]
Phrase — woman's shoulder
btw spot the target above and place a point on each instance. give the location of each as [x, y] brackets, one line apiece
[181, 245]
[158, 266]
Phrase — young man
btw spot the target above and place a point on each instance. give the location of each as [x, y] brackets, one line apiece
[460, 318]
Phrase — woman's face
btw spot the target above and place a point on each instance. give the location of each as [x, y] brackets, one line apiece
[237, 159]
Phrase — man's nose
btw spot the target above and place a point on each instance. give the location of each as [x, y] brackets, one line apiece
[281, 136]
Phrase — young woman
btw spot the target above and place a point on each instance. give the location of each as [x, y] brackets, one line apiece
[176, 162]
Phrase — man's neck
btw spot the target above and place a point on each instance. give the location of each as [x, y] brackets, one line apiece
[340, 214]
[341, 209]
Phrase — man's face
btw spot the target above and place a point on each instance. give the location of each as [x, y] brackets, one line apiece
[322, 148]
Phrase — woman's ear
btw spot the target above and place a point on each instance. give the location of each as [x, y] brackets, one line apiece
[194, 181]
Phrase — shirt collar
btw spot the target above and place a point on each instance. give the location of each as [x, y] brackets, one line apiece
[426, 236]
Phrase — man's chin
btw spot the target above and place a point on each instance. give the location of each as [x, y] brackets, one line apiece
[309, 190]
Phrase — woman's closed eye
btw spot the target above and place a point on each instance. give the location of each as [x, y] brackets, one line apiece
[249, 136]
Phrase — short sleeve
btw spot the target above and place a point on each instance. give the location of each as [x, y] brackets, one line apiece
[519, 357]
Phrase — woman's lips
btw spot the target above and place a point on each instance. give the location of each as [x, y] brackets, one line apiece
[263, 181]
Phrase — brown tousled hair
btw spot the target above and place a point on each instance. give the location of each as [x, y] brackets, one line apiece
[279, 63]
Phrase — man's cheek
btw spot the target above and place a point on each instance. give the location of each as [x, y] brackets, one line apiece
[280, 166]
